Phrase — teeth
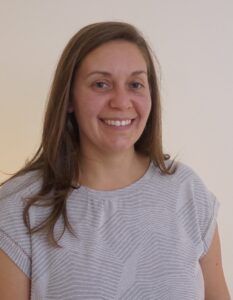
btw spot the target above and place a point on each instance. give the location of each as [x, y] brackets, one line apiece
[117, 123]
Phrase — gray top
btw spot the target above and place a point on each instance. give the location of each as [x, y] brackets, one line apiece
[141, 242]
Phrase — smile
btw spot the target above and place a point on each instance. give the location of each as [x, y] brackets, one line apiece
[118, 122]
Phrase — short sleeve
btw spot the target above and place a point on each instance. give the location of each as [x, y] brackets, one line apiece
[207, 207]
[14, 238]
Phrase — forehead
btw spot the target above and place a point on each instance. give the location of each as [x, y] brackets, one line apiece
[114, 56]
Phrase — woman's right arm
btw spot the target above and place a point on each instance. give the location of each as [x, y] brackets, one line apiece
[14, 284]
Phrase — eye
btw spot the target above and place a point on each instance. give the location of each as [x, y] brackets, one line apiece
[100, 84]
[136, 85]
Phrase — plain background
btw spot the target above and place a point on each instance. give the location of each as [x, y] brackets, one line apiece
[193, 41]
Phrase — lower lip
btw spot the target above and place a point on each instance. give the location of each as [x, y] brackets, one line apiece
[118, 127]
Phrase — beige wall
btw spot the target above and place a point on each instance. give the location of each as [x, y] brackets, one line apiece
[193, 41]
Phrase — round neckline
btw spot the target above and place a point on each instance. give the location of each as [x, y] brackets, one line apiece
[147, 175]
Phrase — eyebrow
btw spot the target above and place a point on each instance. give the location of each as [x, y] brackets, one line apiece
[138, 72]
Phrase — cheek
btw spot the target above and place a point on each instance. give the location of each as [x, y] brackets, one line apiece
[87, 107]
[144, 106]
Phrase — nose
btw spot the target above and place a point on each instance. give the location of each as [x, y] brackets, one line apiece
[121, 98]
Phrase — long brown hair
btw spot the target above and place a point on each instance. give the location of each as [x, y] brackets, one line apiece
[57, 156]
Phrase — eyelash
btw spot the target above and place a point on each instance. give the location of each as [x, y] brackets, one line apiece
[133, 83]
[99, 82]
[138, 83]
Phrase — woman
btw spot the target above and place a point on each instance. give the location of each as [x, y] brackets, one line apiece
[100, 212]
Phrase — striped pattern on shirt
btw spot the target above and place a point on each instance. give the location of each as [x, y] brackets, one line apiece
[140, 242]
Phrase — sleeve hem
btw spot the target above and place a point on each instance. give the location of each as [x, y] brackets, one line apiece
[15, 253]
[209, 233]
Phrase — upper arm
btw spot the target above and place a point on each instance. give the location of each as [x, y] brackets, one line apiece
[211, 264]
[14, 284]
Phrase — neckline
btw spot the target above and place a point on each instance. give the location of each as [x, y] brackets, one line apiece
[135, 185]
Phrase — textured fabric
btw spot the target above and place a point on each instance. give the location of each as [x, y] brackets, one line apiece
[141, 242]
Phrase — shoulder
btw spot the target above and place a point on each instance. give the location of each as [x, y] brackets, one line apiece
[182, 172]
[14, 194]
[196, 204]
[13, 197]
[14, 238]
[191, 185]
[192, 182]
[21, 186]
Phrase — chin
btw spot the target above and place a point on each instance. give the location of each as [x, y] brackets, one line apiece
[120, 148]
[121, 144]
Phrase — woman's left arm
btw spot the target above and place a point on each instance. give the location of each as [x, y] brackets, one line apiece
[214, 280]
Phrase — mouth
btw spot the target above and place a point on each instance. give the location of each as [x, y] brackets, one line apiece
[118, 123]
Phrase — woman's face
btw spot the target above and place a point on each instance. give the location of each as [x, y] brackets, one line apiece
[111, 98]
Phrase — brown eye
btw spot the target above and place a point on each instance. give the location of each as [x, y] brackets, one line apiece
[136, 85]
[101, 84]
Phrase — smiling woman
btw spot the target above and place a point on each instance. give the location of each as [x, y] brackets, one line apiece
[116, 102]
[100, 212]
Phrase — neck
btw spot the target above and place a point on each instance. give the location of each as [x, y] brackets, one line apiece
[112, 172]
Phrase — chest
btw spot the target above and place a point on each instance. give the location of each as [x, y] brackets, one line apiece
[122, 252]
